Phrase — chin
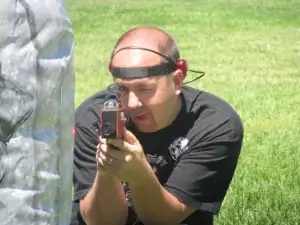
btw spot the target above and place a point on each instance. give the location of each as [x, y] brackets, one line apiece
[146, 129]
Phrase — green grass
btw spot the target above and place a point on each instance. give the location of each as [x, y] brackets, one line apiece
[250, 51]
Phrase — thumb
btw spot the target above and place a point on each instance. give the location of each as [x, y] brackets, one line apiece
[129, 137]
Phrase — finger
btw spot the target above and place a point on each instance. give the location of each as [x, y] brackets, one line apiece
[128, 144]
[108, 164]
[104, 148]
[99, 146]
[112, 154]
[121, 145]
[102, 140]
[100, 163]
[103, 157]
[106, 167]
[117, 155]
[129, 137]
[106, 160]
[111, 168]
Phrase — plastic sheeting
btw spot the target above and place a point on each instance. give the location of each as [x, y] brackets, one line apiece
[36, 112]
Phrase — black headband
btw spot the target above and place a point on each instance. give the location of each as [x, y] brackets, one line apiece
[160, 69]
[140, 72]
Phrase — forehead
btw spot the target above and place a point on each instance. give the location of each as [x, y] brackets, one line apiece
[137, 81]
[135, 58]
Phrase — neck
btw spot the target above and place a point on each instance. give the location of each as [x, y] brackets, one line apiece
[175, 112]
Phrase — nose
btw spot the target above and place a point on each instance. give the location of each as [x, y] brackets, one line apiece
[133, 101]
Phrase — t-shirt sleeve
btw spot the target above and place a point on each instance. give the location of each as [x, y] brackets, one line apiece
[203, 173]
[85, 147]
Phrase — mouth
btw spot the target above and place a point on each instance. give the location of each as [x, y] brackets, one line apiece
[142, 117]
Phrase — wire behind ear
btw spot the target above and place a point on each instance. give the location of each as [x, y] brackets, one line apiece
[182, 65]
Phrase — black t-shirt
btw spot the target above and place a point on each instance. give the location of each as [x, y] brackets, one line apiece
[194, 158]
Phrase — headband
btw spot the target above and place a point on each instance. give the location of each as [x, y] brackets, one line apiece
[149, 71]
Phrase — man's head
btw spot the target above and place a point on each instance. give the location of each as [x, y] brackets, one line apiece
[152, 102]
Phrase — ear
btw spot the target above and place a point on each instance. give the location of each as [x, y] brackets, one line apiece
[178, 81]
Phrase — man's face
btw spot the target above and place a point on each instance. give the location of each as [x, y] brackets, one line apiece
[150, 102]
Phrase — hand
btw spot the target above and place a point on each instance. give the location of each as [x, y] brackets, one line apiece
[123, 158]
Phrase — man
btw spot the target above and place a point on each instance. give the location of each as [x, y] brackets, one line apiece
[180, 149]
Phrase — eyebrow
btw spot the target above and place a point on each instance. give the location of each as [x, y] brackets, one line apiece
[143, 85]
[138, 84]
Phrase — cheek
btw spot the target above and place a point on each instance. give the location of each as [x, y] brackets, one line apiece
[158, 104]
[154, 99]
[123, 100]
[160, 110]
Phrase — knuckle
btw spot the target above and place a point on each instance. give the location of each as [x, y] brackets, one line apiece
[103, 147]
[102, 156]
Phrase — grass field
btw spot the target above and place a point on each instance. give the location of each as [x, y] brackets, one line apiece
[250, 51]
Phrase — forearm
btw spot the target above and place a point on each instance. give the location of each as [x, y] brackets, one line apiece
[105, 204]
[153, 204]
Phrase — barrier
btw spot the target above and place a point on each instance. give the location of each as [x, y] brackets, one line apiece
[36, 112]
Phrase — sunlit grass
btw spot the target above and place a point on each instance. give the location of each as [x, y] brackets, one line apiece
[250, 51]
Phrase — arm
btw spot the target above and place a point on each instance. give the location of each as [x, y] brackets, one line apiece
[155, 205]
[105, 203]
[100, 196]
[199, 180]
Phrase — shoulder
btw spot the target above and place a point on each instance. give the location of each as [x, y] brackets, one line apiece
[90, 107]
[215, 119]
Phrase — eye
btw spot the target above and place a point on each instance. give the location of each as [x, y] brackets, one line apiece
[113, 88]
[122, 89]
[145, 89]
